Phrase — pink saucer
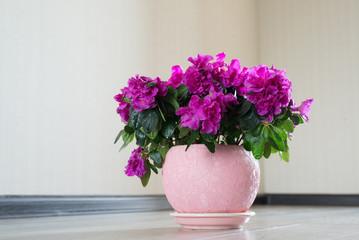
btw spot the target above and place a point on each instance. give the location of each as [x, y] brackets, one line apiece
[212, 220]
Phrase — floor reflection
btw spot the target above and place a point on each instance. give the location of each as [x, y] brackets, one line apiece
[178, 233]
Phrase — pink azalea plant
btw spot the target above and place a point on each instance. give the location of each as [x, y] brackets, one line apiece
[210, 103]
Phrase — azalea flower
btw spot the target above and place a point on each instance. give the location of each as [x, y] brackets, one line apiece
[189, 114]
[176, 79]
[198, 77]
[268, 89]
[142, 92]
[230, 75]
[303, 109]
[123, 108]
[219, 67]
[211, 116]
[224, 100]
[206, 113]
[136, 164]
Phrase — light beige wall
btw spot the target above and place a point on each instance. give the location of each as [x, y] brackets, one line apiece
[61, 63]
[317, 42]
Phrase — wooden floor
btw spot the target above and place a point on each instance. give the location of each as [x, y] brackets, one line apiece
[270, 222]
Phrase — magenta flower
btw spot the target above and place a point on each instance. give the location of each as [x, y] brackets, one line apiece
[230, 75]
[198, 77]
[304, 108]
[224, 101]
[237, 76]
[219, 67]
[142, 92]
[176, 79]
[123, 108]
[206, 113]
[211, 116]
[201, 61]
[189, 117]
[136, 164]
[268, 89]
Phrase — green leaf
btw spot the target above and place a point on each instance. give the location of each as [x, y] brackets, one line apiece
[150, 84]
[158, 165]
[163, 151]
[285, 156]
[193, 137]
[285, 153]
[245, 108]
[208, 137]
[276, 141]
[257, 130]
[274, 134]
[140, 138]
[168, 129]
[301, 121]
[230, 140]
[158, 139]
[258, 146]
[295, 119]
[183, 132]
[172, 91]
[267, 150]
[182, 92]
[134, 119]
[127, 140]
[273, 143]
[125, 135]
[154, 133]
[125, 99]
[210, 145]
[247, 144]
[249, 121]
[282, 114]
[153, 168]
[156, 156]
[153, 146]
[288, 126]
[278, 145]
[280, 132]
[149, 120]
[146, 177]
[129, 129]
[273, 150]
[286, 148]
[171, 100]
[118, 136]
[265, 132]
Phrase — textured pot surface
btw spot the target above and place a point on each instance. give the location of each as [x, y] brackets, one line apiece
[198, 181]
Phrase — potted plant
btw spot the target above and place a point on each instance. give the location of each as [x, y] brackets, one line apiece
[205, 127]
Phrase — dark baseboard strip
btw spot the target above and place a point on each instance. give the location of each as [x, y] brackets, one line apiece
[313, 199]
[261, 200]
[42, 206]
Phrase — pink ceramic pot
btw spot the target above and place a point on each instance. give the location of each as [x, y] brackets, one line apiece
[198, 181]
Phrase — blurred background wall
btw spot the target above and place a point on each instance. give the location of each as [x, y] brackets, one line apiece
[61, 63]
[317, 42]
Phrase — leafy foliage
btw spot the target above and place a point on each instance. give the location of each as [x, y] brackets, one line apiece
[161, 115]
[156, 130]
